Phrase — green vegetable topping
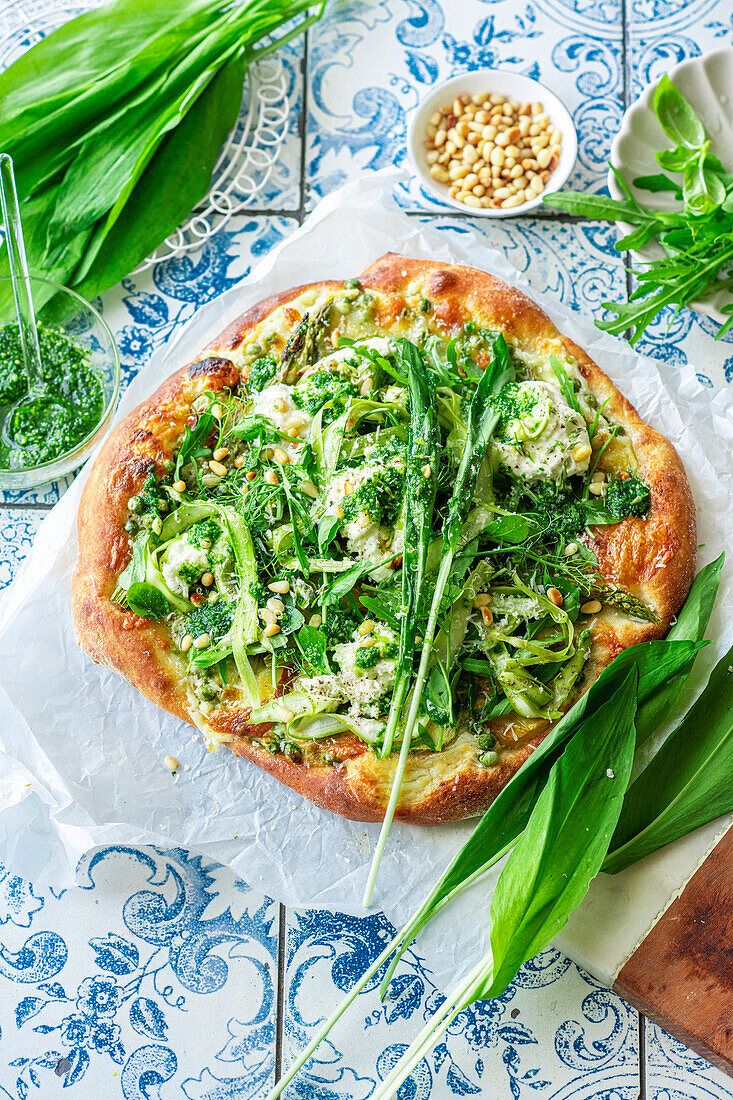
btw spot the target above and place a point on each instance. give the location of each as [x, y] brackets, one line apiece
[338, 624]
[212, 619]
[207, 531]
[380, 497]
[324, 387]
[628, 496]
[367, 656]
[260, 373]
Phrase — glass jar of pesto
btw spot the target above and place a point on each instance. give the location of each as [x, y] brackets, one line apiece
[82, 369]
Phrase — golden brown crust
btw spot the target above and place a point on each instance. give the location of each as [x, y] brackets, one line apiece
[654, 559]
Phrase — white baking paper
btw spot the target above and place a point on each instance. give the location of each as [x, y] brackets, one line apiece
[83, 752]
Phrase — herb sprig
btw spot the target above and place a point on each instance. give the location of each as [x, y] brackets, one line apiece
[697, 240]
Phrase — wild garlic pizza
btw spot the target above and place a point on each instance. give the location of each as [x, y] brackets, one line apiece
[402, 506]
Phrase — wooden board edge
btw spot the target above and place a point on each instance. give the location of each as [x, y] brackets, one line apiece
[681, 975]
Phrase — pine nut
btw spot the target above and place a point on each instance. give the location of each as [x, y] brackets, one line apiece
[186, 642]
[217, 411]
[570, 549]
[597, 488]
[217, 468]
[490, 151]
[555, 596]
[315, 621]
[201, 642]
[171, 764]
[280, 587]
[239, 462]
[207, 579]
[482, 600]
[426, 471]
[275, 604]
[180, 486]
[592, 607]
[271, 477]
[366, 627]
[221, 454]
[487, 616]
[271, 630]
[309, 489]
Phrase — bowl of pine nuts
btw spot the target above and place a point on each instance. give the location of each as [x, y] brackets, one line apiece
[491, 142]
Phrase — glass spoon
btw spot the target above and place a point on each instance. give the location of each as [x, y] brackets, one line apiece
[37, 408]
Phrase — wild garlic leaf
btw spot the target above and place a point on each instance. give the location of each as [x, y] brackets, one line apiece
[146, 600]
[687, 783]
[565, 840]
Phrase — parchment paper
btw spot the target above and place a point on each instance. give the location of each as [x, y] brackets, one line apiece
[81, 753]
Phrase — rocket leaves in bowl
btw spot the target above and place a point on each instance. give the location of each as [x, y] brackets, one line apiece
[696, 240]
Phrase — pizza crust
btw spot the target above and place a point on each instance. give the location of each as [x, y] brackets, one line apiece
[654, 558]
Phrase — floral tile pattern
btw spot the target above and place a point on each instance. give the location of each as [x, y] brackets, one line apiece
[521, 1044]
[158, 976]
[17, 528]
[357, 112]
[675, 1073]
[167, 942]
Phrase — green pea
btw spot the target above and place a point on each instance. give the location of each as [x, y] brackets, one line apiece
[131, 527]
[135, 505]
[162, 504]
[489, 759]
[342, 305]
[352, 284]
[486, 741]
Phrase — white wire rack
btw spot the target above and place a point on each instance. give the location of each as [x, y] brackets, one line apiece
[245, 163]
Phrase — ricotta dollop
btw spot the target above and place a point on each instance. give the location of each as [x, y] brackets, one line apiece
[542, 438]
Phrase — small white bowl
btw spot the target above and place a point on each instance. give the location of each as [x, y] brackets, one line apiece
[707, 83]
[500, 82]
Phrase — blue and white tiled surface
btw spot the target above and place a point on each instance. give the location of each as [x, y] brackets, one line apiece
[162, 975]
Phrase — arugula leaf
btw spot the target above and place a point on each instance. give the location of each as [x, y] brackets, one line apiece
[328, 528]
[193, 445]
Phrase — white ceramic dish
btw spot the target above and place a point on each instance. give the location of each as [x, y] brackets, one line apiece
[500, 82]
[707, 83]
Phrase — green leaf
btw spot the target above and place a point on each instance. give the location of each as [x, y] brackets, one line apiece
[193, 445]
[687, 783]
[511, 529]
[565, 840]
[147, 600]
[599, 206]
[312, 644]
[328, 528]
[175, 180]
[245, 625]
[657, 183]
[676, 117]
[676, 160]
[566, 384]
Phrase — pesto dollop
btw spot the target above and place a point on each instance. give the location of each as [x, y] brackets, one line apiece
[39, 434]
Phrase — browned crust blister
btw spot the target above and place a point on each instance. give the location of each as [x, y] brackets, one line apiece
[653, 558]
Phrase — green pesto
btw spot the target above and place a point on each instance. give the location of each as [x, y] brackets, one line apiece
[367, 656]
[338, 624]
[258, 592]
[214, 619]
[189, 573]
[207, 530]
[514, 403]
[321, 387]
[40, 435]
[628, 497]
[560, 513]
[380, 498]
[260, 373]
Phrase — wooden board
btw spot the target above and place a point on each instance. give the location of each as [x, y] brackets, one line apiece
[681, 975]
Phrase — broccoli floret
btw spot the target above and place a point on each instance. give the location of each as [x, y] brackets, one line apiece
[189, 572]
[338, 624]
[214, 619]
[258, 592]
[207, 530]
[380, 497]
[628, 496]
[561, 514]
[390, 650]
[367, 656]
[321, 387]
[260, 373]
